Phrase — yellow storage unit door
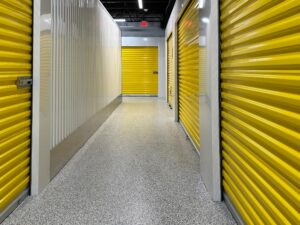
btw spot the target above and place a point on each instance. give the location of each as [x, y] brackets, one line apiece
[139, 70]
[260, 81]
[15, 104]
[171, 85]
[188, 71]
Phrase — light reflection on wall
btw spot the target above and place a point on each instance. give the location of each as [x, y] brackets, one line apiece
[45, 62]
[204, 8]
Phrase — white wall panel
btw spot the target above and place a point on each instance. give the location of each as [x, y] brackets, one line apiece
[210, 159]
[86, 64]
[40, 154]
[209, 90]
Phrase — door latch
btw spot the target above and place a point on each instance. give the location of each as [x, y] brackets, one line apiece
[24, 82]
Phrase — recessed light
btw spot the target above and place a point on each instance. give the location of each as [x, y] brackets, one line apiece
[140, 4]
[120, 20]
[205, 20]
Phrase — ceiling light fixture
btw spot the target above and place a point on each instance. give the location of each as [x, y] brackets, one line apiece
[201, 4]
[205, 20]
[141, 4]
[120, 20]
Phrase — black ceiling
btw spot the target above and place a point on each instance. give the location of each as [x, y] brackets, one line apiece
[158, 10]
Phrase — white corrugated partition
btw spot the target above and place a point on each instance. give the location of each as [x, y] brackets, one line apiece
[86, 59]
[208, 21]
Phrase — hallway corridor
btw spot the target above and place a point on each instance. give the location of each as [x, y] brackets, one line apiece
[138, 169]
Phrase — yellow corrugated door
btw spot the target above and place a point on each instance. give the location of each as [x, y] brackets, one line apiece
[15, 104]
[139, 70]
[188, 71]
[171, 88]
[260, 75]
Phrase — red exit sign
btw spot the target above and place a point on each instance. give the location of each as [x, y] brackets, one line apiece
[144, 24]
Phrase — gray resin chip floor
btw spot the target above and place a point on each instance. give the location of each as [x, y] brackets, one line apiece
[138, 169]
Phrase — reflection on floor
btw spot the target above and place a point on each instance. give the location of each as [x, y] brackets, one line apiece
[138, 169]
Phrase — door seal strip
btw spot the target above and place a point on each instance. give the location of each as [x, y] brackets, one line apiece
[13, 205]
[233, 210]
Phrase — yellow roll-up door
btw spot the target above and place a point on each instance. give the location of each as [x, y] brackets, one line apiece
[15, 104]
[171, 85]
[188, 71]
[139, 70]
[260, 81]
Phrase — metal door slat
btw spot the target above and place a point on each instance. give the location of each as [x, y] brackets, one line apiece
[188, 72]
[260, 101]
[15, 103]
[171, 85]
[139, 70]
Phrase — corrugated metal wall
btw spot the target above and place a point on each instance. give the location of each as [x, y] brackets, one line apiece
[15, 102]
[261, 109]
[188, 71]
[171, 78]
[86, 57]
[139, 70]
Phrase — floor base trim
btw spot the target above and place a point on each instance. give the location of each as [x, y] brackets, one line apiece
[63, 152]
[139, 95]
[13, 205]
[190, 138]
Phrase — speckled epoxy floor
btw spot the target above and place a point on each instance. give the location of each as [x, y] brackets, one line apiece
[138, 169]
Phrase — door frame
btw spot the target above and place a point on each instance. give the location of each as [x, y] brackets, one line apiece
[167, 63]
[40, 149]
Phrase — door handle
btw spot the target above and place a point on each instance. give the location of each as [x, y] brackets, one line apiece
[24, 82]
[155, 72]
